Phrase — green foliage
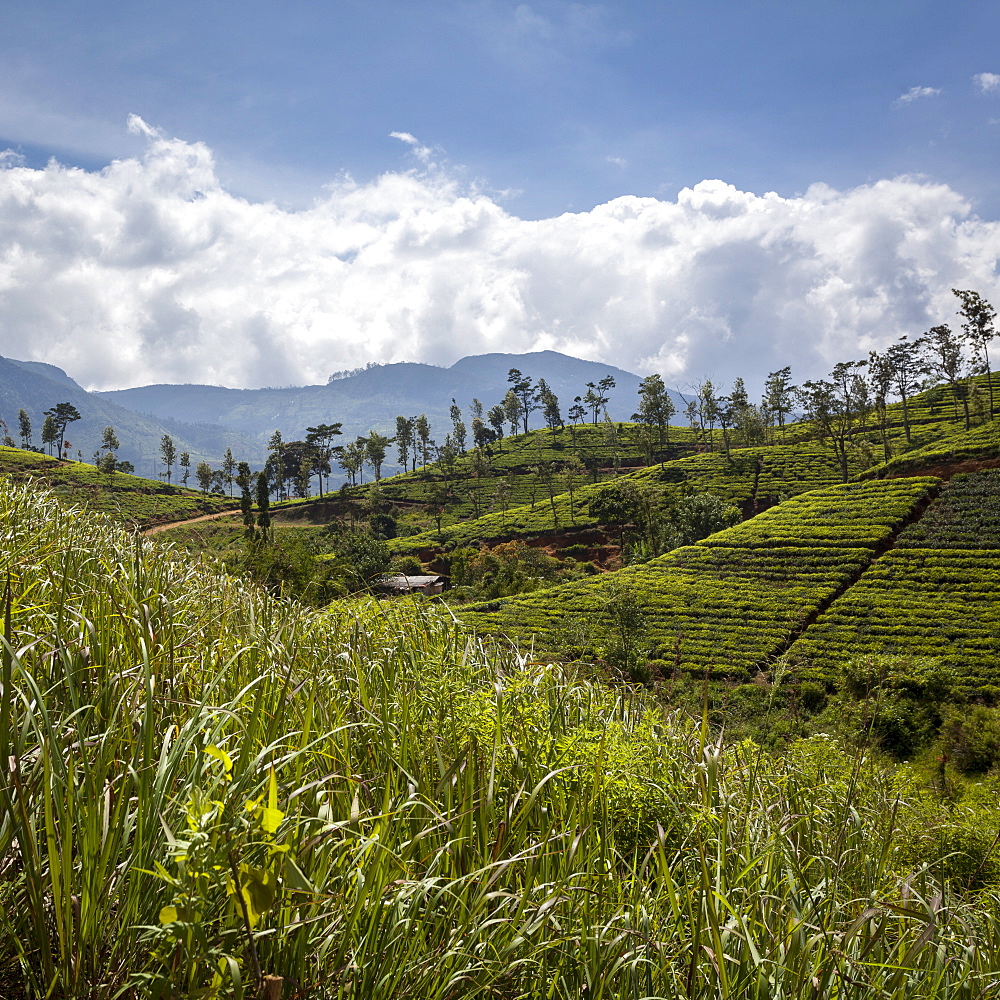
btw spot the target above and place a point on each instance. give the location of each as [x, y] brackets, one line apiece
[208, 788]
[143, 502]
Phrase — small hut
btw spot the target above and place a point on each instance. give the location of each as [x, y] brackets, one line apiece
[399, 584]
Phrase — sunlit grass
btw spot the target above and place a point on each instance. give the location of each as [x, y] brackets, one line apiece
[404, 812]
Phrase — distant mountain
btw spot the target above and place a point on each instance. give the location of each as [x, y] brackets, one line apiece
[206, 419]
[36, 387]
[372, 399]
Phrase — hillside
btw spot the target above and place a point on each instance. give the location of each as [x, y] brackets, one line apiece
[131, 499]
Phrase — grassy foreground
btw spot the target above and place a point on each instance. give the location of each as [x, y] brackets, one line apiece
[208, 793]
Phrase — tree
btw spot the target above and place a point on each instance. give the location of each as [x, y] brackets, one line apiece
[550, 406]
[880, 379]
[513, 409]
[836, 407]
[228, 469]
[944, 359]
[168, 453]
[375, 449]
[63, 414]
[276, 460]
[203, 473]
[496, 416]
[50, 433]
[320, 440]
[458, 426]
[185, 463]
[405, 440]
[423, 430]
[656, 407]
[978, 330]
[244, 481]
[109, 445]
[594, 399]
[352, 459]
[263, 507]
[907, 365]
[522, 386]
[778, 396]
[24, 423]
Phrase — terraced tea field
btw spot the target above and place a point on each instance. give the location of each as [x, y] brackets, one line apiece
[727, 605]
[935, 594]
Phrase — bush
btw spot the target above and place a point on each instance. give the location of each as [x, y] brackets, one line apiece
[971, 738]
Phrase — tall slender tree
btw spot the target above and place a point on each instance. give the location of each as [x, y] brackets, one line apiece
[526, 392]
[168, 453]
[907, 362]
[978, 330]
[24, 424]
[945, 359]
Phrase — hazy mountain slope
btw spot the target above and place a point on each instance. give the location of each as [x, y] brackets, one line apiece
[374, 397]
[36, 387]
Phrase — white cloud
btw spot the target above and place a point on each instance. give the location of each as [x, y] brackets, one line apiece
[150, 271]
[420, 151]
[915, 94]
[617, 161]
[988, 83]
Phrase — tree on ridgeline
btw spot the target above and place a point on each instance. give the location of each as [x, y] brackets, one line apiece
[8, 441]
[945, 359]
[24, 425]
[63, 414]
[185, 465]
[837, 407]
[779, 394]
[596, 397]
[906, 360]
[522, 386]
[263, 507]
[978, 330]
[352, 459]
[276, 460]
[168, 453]
[880, 380]
[50, 433]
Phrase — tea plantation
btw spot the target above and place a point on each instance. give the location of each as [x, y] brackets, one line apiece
[729, 604]
[935, 594]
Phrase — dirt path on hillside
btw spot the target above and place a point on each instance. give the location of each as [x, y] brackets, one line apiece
[191, 520]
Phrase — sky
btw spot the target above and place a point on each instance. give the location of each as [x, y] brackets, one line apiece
[262, 194]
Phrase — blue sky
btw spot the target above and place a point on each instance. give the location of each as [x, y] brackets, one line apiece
[569, 105]
[877, 124]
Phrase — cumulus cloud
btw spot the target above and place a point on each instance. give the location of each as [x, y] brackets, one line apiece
[987, 83]
[915, 94]
[150, 271]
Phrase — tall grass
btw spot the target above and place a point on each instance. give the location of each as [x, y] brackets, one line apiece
[212, 793]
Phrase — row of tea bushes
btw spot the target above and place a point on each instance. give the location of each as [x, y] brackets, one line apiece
[979, 444]
[726, 605]
[934, 595]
